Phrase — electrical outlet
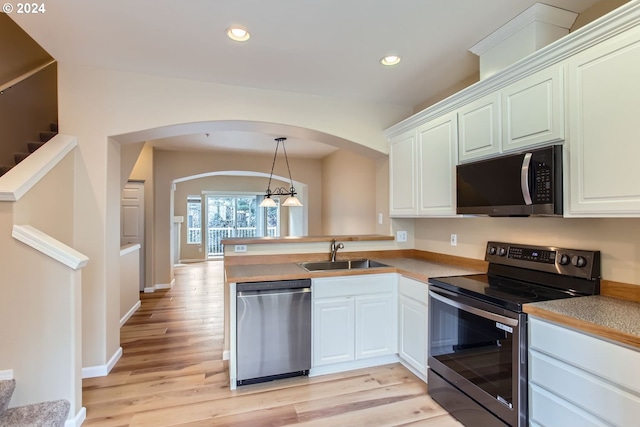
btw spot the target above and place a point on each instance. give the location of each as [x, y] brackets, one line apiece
[241, 248]
[380, 218]
[454, 240]
[401, 236]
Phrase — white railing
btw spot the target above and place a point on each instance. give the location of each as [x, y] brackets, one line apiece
[215, 235]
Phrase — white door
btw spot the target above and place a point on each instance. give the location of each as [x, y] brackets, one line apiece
[413, 333]
[376, 326]
[333, 331]
[480, 129]
[132, 221]
[402, 175]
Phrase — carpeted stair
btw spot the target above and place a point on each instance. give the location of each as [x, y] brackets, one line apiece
[44, 414]
[31, 146]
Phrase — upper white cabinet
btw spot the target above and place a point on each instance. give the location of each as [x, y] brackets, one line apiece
[422, 169]
[533, 110]
[604, 107]
[526, 113]
[402, 175]
[480, 128]
[437, 155]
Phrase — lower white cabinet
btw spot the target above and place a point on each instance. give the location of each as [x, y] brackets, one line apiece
[579, 380]
[354, 318]
[412, 325]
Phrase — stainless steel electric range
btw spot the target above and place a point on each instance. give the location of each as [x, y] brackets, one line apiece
[478, 330]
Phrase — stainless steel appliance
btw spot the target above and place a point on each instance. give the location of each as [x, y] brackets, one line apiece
[478, 331]
[515, 185]
[273, 330]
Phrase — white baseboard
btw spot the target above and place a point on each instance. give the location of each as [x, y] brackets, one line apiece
[159, 286]
[127, 316]
[226, 355]
[77, 421]
[356, 364]
[190, 261]
[102, 370]
[6, 375]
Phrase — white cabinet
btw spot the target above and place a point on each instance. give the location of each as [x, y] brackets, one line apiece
[412, 325]
[604, 102]
[354, 318]
[480, 128]
[437, 157]
[579, 380]
[403, 175]
[524, 114]
[422, 169]
[533, 110]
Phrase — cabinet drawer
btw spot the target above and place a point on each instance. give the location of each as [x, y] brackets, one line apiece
[588, 353]
[548, 410]
[413, 289]
[328, 287]
[584, 390]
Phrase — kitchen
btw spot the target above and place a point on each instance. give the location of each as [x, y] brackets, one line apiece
[412, 196]
[613, 236]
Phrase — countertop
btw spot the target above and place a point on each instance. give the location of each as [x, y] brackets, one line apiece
[607, 317]
[414, 268]
[610, 318]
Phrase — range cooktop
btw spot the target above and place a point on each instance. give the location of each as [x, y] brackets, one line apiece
[522, 274]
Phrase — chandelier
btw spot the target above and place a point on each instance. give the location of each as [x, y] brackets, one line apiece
[292, 200]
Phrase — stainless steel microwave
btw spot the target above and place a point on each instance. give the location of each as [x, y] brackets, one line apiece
[521, 184]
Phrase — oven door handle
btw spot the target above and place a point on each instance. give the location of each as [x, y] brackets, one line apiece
[482, 313]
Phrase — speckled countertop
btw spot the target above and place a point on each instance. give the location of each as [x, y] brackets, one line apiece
[417, 269]
[607, 317]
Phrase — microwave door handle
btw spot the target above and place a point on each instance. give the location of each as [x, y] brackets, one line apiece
[524, 179]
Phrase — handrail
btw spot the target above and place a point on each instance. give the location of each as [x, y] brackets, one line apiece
[24, 76]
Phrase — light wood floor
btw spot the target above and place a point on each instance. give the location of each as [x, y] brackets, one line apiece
[171, 374]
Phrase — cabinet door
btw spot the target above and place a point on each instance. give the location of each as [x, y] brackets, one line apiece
[333, 331]
[437, 157]
[533, 110]
[480, 128]
[402, 175]
[376, 326]
[604, 101]
[412, 330]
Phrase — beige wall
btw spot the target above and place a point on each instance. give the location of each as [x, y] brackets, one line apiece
[348, 194]
[171, 165]
[129, 279]
[143, 171]
[617, 238]
[595, 12]
[239, 184]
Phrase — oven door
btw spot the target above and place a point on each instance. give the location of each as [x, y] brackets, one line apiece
[481, 350]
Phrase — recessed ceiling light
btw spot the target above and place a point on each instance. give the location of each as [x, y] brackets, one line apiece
[390, 60]
[238, 34]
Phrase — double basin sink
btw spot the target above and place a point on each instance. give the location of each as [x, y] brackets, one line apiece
[358, 264]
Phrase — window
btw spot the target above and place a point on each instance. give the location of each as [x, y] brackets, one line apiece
[194, 220]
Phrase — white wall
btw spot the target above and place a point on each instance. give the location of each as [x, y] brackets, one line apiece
[95, 104]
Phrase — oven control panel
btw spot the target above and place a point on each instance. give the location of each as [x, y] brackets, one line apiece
[570, 262]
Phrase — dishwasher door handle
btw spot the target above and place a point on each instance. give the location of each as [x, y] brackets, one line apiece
[247, 294]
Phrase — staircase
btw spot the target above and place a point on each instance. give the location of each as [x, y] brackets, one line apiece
[31, 147]
[45, 414]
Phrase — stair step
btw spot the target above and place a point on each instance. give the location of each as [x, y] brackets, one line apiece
[6, 391]
[44, 414]
[53, 127]
[45, 136]
[4, 169]
[18, 157]
[34, 145]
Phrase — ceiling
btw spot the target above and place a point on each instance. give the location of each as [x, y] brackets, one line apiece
[328, 48]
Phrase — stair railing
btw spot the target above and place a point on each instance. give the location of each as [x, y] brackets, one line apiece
[13, 82]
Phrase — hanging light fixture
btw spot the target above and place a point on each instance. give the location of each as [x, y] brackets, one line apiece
[292, 200]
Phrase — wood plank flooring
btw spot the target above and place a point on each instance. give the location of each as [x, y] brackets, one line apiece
[171, 374]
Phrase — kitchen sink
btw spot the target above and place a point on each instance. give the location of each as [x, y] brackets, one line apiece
[341, 265]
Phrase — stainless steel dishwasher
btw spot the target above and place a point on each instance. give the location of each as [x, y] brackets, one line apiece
[273, 330]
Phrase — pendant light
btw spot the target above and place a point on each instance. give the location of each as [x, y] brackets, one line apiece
[292, 200]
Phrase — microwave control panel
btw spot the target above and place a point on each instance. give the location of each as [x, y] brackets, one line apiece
[542, 185]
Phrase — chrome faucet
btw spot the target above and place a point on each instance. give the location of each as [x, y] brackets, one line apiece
[334, 249]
